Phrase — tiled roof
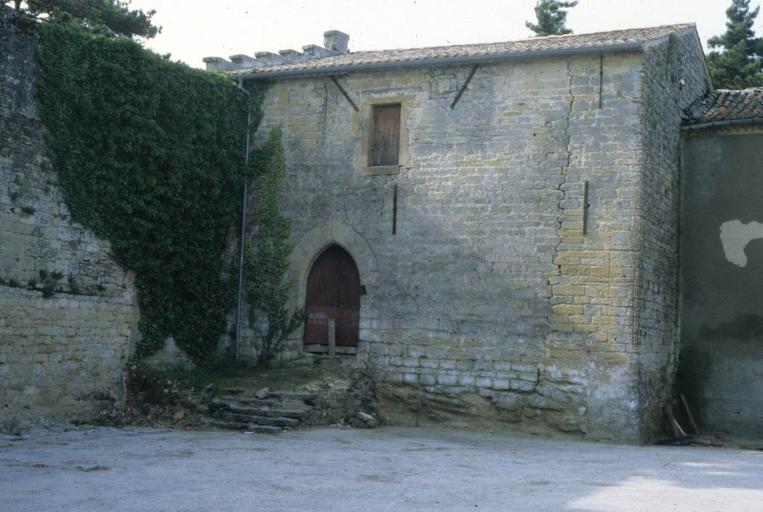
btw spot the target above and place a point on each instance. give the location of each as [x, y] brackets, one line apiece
[726, 107]
[616, 39]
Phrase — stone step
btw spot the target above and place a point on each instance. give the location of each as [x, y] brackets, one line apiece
[228, 425]
[243, 399]
[292, 411]
[296, 396]
[233, 391]
[275, 412]
[228, 404]
[273, 421]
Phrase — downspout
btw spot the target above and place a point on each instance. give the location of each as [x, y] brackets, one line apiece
[242, 237]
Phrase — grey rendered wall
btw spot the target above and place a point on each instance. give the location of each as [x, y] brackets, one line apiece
[60, 357]
[722, 272]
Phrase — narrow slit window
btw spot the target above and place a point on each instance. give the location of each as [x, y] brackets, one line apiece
[385, 139]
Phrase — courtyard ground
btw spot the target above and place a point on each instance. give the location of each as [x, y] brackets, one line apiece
[389, 469]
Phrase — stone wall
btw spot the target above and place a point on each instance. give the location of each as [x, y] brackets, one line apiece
[61, 357]
[489, 303]
[674, 76]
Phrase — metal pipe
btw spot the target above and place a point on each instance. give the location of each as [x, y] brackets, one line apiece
[394, 210]
[444, 61]
[601, 80]
[242, 238]
[586, 206]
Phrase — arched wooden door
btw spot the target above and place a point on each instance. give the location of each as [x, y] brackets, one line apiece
[333, 293]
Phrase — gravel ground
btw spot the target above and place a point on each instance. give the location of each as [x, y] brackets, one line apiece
[388, 469]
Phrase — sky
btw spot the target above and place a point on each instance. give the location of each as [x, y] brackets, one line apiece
[193, 29]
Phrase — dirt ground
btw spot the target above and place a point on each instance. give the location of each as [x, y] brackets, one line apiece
[388, 469]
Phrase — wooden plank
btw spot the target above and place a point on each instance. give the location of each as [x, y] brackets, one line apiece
[332, 337]
[463, 88]
[344, 93]
[385, 146]
[678, 431]
[689, 414]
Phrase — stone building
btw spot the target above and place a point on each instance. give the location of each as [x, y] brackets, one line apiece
[493, 226]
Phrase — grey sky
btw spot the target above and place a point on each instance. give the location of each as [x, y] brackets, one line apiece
[193, 29]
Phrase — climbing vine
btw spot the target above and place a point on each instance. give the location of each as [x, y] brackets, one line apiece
[149, 155]
[267, 260]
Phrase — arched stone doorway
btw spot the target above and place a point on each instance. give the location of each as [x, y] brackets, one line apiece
[332, 301]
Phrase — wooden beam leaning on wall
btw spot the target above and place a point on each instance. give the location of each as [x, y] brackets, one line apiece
[463, 87]
[344, 93]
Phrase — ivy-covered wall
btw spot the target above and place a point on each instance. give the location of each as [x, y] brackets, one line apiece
[68, 312]
[149, 155]
[120, 178]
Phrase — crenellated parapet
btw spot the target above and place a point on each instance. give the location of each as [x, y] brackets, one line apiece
[335, 42]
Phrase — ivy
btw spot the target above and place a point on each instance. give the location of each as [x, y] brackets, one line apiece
[149, 155]
[267, 260]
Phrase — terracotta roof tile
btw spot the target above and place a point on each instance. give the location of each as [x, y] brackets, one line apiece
[539, 45]
[725, 105]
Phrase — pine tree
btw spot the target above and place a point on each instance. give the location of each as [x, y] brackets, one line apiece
[738, 65]
[552, 17]
[112, 16]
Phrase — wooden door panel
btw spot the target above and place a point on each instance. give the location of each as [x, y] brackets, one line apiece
[385, 147]
[333, 293]
[317, 325]
[347, 328]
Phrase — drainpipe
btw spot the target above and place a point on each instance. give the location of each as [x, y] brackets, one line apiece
[242, 237]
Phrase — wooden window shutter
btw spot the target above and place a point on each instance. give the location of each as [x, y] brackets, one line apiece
[385, 139]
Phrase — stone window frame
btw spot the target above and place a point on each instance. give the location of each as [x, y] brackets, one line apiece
[404, 156]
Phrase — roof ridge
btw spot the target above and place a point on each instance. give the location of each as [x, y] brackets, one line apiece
[529, 39]
[629, 39]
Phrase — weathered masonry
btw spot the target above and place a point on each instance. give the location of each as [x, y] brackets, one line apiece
[722, 262]
[511, 210]
[61, 357]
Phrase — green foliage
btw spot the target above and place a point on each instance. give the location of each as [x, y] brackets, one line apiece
[109, 16]
[49, 283]
[267, 261]
[552, 17]
[739, 64]
[11, 426]
[149, 155]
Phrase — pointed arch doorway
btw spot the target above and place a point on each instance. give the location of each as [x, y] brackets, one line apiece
[332, 296]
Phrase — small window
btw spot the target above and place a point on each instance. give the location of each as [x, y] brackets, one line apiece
[385, 139]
